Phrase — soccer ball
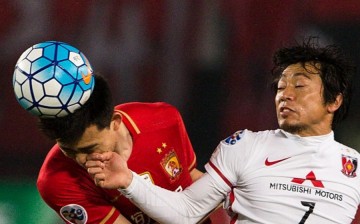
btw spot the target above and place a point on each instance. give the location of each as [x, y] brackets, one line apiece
[52, 79]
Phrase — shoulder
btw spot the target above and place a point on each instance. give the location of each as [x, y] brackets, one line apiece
[246, 135]
[147, 116]
[237, 151]
[348, 151]
[245, 144]
[55, 163]
[137, 107]
[246, 141]
[66, 187]
[138, 110]
[56, 177]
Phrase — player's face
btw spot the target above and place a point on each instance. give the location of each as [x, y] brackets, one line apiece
[300, 104]
[93, 140]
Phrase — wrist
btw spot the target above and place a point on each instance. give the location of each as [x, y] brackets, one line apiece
[130, 184]
[128, 179]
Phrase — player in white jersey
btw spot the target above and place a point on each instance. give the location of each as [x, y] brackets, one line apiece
[296, 174]
[278, 177]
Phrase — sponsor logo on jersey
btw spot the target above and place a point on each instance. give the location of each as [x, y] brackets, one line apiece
[349, 165]
[74, 214]
[306, 190]
[232, 139]
[171, 165]
[311, 177]
[299, 186]
[270, 163]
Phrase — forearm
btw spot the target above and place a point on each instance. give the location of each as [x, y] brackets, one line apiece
[166, 206]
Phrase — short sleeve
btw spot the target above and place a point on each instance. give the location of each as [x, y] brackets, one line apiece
[229, 159]
[70, 192]
[187, 148]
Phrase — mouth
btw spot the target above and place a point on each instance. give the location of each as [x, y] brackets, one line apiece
[285, 111]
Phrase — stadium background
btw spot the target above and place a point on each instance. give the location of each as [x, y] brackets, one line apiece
[211, 59]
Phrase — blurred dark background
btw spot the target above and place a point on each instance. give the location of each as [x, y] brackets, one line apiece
[211, 59]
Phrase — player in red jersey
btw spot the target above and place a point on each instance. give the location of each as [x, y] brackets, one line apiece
[150, 136]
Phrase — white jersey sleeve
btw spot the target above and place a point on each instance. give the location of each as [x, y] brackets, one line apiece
[230, 159]
[164, 206]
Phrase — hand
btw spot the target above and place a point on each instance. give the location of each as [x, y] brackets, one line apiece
[109, 170]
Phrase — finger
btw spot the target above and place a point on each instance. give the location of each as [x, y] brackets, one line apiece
[99, 179]
[105, 156]
[99, 176]
[94, 170]
[100, 183]
[99, 156]
[93, 156]
[94, 163]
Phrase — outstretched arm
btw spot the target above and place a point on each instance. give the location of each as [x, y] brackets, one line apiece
[189, 206]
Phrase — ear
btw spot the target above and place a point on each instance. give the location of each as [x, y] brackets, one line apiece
[116, 121]
[332, 107]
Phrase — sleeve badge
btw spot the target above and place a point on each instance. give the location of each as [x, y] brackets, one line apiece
[74, 214]
[234, 138]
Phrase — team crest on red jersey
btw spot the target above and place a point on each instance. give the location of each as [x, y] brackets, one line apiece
[349, 166]
[170, 163]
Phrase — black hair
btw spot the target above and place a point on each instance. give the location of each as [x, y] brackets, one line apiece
[98, 110]
[335, 70]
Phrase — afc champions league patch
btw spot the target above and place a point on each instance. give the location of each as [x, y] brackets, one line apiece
[170, 163]
[232, 139]
[349, 165]
[74, 214]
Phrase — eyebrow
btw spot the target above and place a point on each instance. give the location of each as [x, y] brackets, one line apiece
[85, 149]
[298, 74]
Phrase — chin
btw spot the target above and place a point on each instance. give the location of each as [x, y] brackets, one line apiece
[292, 128]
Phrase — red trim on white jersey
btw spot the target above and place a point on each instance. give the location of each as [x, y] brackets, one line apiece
[220, 174]
[234, 219]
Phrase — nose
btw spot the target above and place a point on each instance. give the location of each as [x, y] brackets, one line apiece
[287, 94]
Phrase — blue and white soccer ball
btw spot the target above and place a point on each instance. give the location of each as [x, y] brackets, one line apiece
[52, 79]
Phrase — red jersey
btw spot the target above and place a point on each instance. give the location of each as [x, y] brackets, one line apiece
[162, 153]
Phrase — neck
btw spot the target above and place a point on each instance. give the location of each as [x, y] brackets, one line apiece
[125, 142]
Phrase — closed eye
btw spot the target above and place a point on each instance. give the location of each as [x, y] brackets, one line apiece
[281, 86]
[69, 152]
[88, 149]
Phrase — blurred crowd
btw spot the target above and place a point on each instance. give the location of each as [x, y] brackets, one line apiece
[211, 59]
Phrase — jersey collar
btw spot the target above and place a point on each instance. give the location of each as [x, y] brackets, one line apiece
[309, 139]
[129, 123]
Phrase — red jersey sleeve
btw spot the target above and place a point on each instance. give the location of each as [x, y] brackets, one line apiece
[189, 151]
[79, 203]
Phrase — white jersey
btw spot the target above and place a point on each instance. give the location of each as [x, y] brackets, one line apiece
[269, 177]
[277, 177]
